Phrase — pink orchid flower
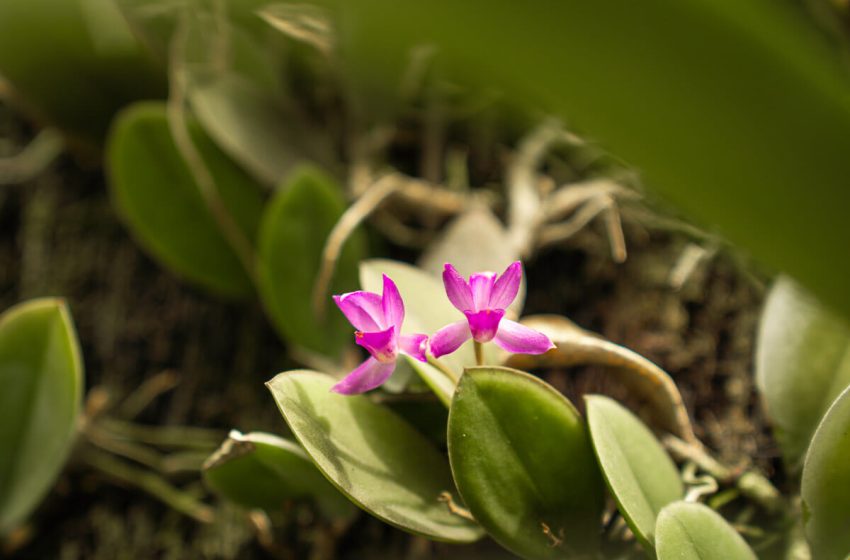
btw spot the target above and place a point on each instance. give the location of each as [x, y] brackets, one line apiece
[483, 299]
[378, 321]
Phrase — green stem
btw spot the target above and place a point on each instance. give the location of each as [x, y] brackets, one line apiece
[479, 352]
[446, 371]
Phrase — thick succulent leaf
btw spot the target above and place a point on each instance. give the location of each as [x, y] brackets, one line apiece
[259, 470]
[687, 531]
[826, 484]
[802, 364]
[523, 464]
[427, 308]
[41, 384]
[74, 62]
[639, 473]
[295, 227]
[702, 134]
[374, 457]
[160, 202]
[578, 347]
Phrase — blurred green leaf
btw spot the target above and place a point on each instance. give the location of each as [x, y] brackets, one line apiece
[160, 202]
[826, 484]
[802, 364]
[689, 531]
[295, 227]
[41, 385]
[639, 473]
[373, 456]
[74, 63]
[739, 112]
[436, 380]
[523, 464]
[259, 470]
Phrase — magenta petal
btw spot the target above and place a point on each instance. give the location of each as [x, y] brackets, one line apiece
[363, 310]
[481, 284]
[392, 304]
[449, 338]
[382, 345]
[506, 287]
[365, 377]
[414, 345]
[457, 289]
[484, 324]
[518, 339]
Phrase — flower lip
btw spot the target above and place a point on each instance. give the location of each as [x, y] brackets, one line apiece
[382, 345]
[484, 324]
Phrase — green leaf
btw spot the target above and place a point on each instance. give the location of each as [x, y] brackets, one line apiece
[703, 136]
[41, 376]
[426, 306]
[259, 470]
[802, 364]
[523, 464]
[687, 531]
[295, 227]
[826, 483]
[436, 380]
[160, 202]
[374, 457]
[639, 473]
[74, 63]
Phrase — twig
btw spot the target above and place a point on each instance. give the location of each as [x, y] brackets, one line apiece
[454, 509]
[33, 160]
[445, 370]
[147, 392]
[479, 352]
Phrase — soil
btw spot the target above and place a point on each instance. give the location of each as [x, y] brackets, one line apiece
[59, 236]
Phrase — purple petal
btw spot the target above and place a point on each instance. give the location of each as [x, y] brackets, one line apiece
[484, 324]
[382, 345]
[518, 339]
[363, 310]
[457, 289]
[414, 345]
[449, 338]
[481, 284]
[392, 304]
[506, 287]
[365, 377]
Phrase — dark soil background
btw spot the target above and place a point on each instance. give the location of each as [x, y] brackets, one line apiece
[59, 236]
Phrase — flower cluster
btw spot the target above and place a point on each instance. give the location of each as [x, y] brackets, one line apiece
[482, 299]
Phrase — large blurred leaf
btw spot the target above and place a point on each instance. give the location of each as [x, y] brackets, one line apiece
[687, 531]
[74, 62]
[826, 484]
[802, 364]
[738, 111]
[523, 464]
[295, 227]
[159, 200]
[41, 383]
[374, 457]
[639, 473]
[259, 470]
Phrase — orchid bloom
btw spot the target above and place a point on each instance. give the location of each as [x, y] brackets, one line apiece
[483, 299]
[378, 322]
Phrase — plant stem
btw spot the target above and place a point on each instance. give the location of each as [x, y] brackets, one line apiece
[479, 352]
[445, 371]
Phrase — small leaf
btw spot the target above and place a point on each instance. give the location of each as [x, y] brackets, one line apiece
[639, 473]
[802, 364]
[436, 380]
[523, 464]
[576, 347]
[259, 470]
[295, 227]
[41, 375]
[476, 241]
[826, 484]
[375, 458]
[427, 309]
[688, 531]
[160, 202]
